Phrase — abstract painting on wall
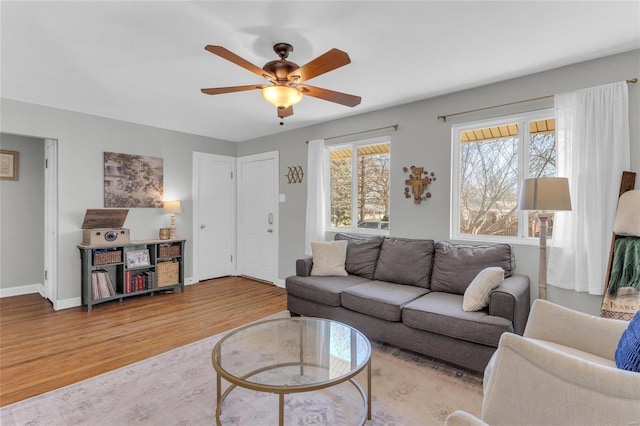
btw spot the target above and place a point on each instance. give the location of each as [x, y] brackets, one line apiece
[132, 180]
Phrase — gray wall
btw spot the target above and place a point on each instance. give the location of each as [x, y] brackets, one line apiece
[82, 140]
[422, 140]
[22, 215]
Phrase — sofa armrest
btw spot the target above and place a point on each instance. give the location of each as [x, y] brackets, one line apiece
[303, 266]
[531, 383]
[557, 324]
[511, 300]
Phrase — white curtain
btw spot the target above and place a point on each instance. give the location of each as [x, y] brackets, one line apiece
[592, 128]
[316, 194]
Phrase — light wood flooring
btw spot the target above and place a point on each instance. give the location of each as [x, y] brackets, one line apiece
[42, 349]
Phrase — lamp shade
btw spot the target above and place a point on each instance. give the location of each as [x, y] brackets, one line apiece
[281, 96]
[172, 207]
[550, 193]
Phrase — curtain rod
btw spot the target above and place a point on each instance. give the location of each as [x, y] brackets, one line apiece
[444, 117]
[395, 127]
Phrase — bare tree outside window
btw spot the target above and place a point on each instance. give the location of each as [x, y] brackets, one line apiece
[542, 163]
[370, 200]
[341, 192]
[373, 188]
[489, 175]
[489, 187]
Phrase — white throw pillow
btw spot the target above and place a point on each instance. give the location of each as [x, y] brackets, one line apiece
[476, 296]
[329, 258]
[627, 217]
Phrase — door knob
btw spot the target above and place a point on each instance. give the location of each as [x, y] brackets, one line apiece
[270, 230]
[202, 226]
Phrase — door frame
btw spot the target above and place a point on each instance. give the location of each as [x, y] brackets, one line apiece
[51, 221]
[270, 155]
[197, 156]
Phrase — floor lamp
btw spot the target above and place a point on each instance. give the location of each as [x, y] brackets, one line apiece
[544, 195]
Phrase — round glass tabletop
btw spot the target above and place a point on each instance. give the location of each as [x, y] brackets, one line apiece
[293, 353]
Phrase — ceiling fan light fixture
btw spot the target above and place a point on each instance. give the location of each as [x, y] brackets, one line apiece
[281, 96]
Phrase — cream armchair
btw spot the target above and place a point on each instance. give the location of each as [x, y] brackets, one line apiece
[561, 372]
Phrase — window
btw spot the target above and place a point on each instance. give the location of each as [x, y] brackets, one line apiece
[359, 186]
[490, 160]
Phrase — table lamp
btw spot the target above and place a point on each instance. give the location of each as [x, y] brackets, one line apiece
[172, 207]
[544, 195]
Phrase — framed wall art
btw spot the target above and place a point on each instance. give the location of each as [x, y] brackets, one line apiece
[137, 258]
[132, 180]
[8, 165]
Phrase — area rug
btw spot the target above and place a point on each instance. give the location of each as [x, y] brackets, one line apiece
[179, 388]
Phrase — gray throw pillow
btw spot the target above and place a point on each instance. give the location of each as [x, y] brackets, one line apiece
[455, 266]
[405, 261]
[362, 254]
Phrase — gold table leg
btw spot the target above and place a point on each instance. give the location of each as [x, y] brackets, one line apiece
[218, 400]
[369, 390]
[281, 410]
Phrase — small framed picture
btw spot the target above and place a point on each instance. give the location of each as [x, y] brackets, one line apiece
[8, 165]
[137, 258]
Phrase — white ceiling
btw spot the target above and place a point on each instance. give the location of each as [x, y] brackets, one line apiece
[144, 61]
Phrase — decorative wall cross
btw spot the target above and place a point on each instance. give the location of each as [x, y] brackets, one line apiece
[418, 183]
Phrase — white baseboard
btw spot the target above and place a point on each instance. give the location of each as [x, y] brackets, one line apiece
[278, 282]
[39, 288]
[67, 303]
[74, 301]
[23, 289]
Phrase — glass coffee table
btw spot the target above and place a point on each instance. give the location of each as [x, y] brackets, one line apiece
[291, 355]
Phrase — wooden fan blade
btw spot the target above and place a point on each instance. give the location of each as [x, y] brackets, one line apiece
[221, 90]
[330, 95]
[232, 57]
[324, 63]
[285, 112]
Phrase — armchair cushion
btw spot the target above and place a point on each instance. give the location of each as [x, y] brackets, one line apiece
[559, 373]
[628, 351]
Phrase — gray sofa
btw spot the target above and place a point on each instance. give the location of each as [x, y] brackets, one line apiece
[409, 293]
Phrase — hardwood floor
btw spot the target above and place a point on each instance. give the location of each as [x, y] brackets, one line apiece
[42, 349]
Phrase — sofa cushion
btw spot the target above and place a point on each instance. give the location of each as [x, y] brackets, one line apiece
[325, 290]
[442, 313]
[362, 254]
[405, 261]
[476, 296]
[455, 266]
[380, 299]
[329, 258]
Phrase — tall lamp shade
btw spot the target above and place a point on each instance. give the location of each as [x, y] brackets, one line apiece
[544, 195]
[172, 207]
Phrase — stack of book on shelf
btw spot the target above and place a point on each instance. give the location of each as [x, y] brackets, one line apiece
[143, 281]
[101, 285]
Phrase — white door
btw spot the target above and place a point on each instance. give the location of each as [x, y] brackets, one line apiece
[258, 215]
[214, 216]
[51, 220]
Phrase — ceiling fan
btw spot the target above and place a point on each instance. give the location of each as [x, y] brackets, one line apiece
[286, 78]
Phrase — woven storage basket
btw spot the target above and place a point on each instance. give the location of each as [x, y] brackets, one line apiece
[168, 250]
[168, 273]
[105, 257]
